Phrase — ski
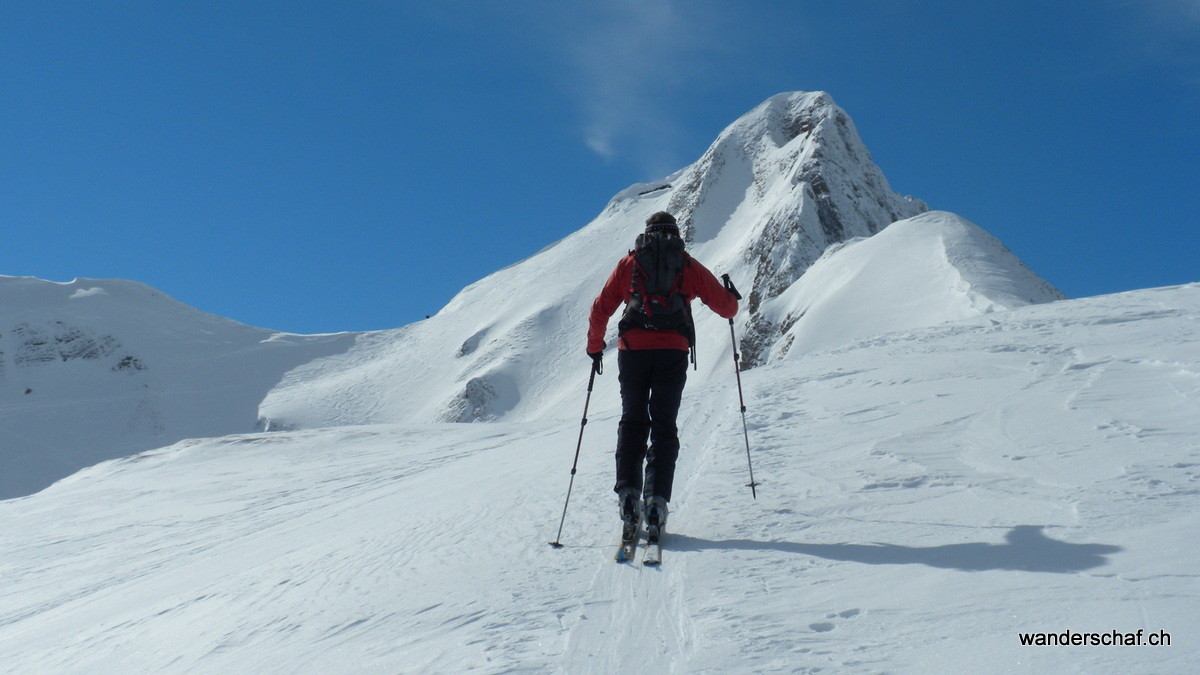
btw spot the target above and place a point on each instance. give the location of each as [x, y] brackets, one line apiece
[653, 555]
[629, 542]
[626, 551]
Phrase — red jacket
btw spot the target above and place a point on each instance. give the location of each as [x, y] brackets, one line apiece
[698, 282]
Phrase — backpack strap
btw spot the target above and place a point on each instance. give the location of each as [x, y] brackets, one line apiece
[637, 281]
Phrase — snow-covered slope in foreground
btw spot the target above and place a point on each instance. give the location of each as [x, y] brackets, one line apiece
[927, 495]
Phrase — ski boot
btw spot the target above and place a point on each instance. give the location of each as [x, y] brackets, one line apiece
[656, 518]
[631, 513]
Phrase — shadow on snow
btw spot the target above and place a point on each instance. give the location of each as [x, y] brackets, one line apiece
[1025, 549]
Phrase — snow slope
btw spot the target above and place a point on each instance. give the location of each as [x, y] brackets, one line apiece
[927, 495]
[917, 272]
[96, 369]
[115, 367]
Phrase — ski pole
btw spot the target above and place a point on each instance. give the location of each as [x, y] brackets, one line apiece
[737, 371]
[574, 465]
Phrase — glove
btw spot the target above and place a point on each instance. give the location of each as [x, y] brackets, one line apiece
[597, 361]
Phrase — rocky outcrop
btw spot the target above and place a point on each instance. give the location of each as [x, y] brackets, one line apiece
[796, 175]
[40, 343]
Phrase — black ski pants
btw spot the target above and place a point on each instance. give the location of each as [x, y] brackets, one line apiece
[651, 387]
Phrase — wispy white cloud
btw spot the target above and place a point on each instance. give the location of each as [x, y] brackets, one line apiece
[1165, 29]
[626, 64]
[1158, 36]
[1187, 10]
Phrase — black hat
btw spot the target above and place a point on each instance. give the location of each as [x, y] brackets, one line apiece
[662, 221]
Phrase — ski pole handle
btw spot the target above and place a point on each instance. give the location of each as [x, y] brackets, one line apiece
[597, 363]
[730, 287]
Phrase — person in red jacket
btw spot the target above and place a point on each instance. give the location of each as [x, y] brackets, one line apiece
[657, 282]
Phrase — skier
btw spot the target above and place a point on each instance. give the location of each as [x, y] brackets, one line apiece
[657, 282]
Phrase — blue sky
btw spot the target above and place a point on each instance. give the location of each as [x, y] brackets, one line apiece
[317, 167]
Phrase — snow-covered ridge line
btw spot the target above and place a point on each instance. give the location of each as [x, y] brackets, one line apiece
[920, 271]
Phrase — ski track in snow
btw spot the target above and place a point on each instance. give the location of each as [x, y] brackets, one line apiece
[926, 495]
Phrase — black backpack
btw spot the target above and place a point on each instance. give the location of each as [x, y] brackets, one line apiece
[657, 301]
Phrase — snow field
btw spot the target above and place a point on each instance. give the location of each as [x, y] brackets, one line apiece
[927, 495]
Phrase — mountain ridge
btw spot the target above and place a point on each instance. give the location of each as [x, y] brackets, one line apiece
[773, 192]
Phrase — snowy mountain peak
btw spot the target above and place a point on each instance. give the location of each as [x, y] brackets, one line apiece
[777, 187]
[783, 118]
[802, 137]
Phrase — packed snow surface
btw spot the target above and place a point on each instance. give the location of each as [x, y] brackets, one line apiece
[927, 494]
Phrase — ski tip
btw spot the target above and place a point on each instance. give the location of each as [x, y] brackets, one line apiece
[625, 553]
